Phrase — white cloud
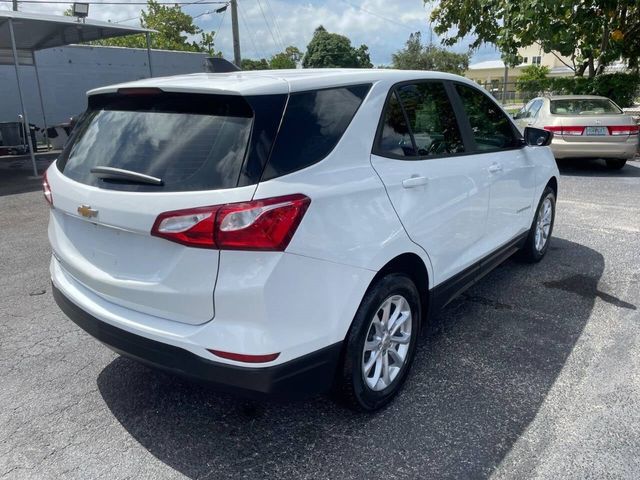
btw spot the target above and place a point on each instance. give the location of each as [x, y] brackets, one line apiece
[382, 25]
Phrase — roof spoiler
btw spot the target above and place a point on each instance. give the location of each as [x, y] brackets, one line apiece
[220, 65]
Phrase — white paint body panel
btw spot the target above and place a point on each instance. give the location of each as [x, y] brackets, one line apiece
[303, 299]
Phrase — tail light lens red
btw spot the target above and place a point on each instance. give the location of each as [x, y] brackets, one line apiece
[620, 130]
[614, 130]
[46, 189]
[565, 130]
[267, 224]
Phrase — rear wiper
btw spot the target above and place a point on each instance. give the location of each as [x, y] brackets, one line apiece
[111, 173]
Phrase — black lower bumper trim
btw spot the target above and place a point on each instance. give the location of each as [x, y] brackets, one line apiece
[310, 374]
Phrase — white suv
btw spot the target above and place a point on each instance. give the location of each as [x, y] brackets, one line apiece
[280, 232]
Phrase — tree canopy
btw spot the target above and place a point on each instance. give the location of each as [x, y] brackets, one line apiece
[173, 30]
[249, 64]
[416, 56]
[287, 59]
[593, 33]
[331, 50]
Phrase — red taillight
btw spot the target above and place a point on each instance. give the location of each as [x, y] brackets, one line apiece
[565, 130]
[620, 130]
[192, 227]
[46, 189]
[267, 224]
[260, 224]
[239, 357]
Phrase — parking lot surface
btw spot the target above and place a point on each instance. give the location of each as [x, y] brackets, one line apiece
[532, 373]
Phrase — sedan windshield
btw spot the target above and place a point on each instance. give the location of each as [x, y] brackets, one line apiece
[584, 106]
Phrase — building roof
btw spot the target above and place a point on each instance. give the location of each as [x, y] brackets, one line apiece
[264, 82]
[35, 32]
[489, 64]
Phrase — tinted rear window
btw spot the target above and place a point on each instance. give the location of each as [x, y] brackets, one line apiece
[583, 106]
[190, 141]
[313, 124]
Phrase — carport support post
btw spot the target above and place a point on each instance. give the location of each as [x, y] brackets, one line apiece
[24, 110]
[148, 36]
[44, 115]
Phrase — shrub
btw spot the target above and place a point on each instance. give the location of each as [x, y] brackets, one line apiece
[532, 81]
[622, 88]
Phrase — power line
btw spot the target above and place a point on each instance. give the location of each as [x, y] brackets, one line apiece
[275, 23]
[224, 14]
[375, 14]
[200, 2]
[253, 42]
[268, 27]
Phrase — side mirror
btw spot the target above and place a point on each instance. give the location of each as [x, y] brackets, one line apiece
[536, 137]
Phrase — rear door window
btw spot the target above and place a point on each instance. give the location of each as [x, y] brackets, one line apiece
[395, 138]
[312, 125]
[190, 141]
[431, 119]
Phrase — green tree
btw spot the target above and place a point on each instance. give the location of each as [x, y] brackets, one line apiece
[532, 81]
[592, 33]
[249, 64]
[173, 30]
[330, 50]
[416, 56]
[287, 59]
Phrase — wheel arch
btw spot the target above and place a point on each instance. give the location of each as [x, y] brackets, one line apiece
[412, 265]
[553, 183]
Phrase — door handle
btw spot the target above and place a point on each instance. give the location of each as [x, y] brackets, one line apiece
[414, 181]
[495, 168]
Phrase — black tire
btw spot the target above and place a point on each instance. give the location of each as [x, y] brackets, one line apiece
[616, 163]
[530, 253]
[351, 385]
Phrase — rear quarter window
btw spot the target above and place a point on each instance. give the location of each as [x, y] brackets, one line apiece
[312, 125]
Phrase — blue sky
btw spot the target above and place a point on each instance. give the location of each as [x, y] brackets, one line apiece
[266, 26]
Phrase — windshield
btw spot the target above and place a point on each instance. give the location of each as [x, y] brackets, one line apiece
[584, 106]
[190, 142]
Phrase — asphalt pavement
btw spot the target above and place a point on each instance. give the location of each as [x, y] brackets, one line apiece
[532, 373]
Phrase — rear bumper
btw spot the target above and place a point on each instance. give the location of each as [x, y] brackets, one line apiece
[594, 149]
[310, 374]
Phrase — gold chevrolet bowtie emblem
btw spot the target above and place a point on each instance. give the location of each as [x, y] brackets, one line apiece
[87, 211]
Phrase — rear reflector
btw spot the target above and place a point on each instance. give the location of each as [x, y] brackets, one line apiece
[46, 189]
[267, 224]
[239, 357]
[620, 130]
[565, 130]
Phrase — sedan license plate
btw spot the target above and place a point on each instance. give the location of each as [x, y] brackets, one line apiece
[595, 131]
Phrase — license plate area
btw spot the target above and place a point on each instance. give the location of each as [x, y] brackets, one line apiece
[596, 131]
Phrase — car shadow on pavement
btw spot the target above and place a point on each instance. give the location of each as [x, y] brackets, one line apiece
[588, 167]
[476, 384]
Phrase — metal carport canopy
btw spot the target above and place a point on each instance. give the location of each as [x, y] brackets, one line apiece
[21, 34]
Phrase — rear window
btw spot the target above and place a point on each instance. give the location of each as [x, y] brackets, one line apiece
[313, 123]
[584, 106]
[189, 141]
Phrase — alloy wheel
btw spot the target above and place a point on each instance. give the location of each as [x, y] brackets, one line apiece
[543, 224]
[387, 344]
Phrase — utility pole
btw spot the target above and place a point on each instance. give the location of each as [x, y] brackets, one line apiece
[235, 32]
[15, 5]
